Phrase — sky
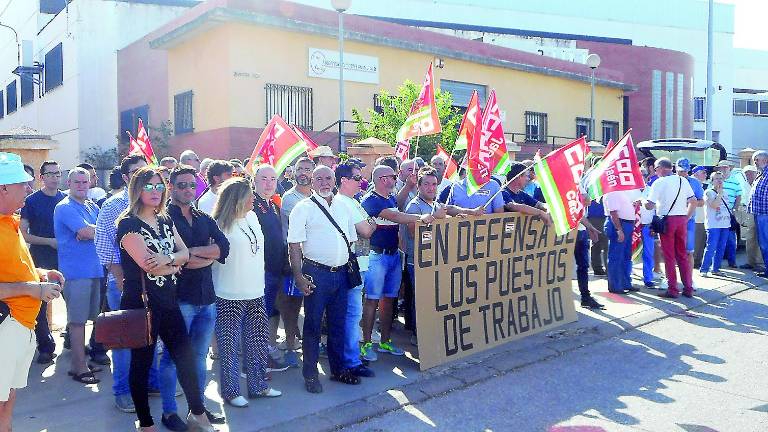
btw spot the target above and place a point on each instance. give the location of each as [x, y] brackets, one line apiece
[749, 23]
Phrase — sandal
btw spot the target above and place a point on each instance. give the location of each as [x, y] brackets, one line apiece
[86, 378]
[347, 378]
[92, 368]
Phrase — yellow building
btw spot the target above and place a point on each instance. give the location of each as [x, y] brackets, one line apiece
[220, 71]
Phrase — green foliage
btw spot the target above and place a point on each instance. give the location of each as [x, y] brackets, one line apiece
[395, 109]
[101, 158]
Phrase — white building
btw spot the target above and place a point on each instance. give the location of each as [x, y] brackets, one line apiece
[76, 100]
[679, 25]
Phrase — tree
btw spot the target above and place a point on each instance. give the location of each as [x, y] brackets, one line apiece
[395, 109]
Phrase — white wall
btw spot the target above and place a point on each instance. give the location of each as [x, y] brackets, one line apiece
[82, 112]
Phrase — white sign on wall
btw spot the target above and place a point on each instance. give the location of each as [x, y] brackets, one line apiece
[360, 68]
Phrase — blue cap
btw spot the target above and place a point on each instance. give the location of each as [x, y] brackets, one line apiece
[683, 163]
[699, 168]
[12, 169]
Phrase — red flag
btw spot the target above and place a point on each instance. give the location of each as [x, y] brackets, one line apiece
[637, 236]
[467, 127]
[142, 145]
[402, 150]
[423, 118]
[616, 171]
[479, 167]
[492, 142]
[278, 145]
[311, 145]
[559, 175]
[450, 165]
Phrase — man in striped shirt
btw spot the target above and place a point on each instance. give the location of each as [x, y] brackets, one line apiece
[732, 187]
[758, 204]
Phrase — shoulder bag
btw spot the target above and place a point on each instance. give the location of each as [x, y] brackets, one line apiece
[129, 329]
[353, 268]
[659, 224]
[734, 223]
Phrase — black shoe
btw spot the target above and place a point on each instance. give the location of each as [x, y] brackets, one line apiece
[666, 294]
[600, 273]
[688, 294]
[346, 377]
[763, 275]
[618, 292]
[362, 371]
[174, 422]
[46, 358]
[101, 359]
[67, 342]
[313, 385]
[633, 289]
[746, 266]
[215, 418]
[591, 303]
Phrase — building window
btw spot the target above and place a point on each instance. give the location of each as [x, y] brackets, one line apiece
[582, 127]
[461, 92]
[129, 121]
[535, 126]
[27, 89]
[610, 131]
[669, 105]
[10, 97]
[699, 134]
[54, 68]
[292, 103]
[699, 109]
[52, 6]
[182, 113]
[2, 104]
[679, 113]
[746, 107]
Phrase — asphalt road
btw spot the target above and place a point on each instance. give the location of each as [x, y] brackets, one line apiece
[701, 371]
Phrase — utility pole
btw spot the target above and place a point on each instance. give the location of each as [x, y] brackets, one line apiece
[710, 86]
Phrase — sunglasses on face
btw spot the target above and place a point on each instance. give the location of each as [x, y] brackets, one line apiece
[149, 187]
[356, 178]
[185, 185]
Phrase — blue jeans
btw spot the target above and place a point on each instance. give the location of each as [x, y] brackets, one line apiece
[649, 247]
[352, 326]
[730, 248]
[619, 256]
[121, 358]
[382, 280]
[200, 321]
[273, 282]
[713, 252]
[329, 296]
[761, 224]
[581, 253]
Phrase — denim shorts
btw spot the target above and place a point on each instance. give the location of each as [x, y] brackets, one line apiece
[383, 276]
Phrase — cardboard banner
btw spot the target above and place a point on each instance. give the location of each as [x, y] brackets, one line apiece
[485, 281]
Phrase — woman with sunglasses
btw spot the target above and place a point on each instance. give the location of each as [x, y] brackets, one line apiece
[241, 317]
[152, 252]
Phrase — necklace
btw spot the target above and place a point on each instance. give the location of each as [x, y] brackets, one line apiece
[253, 241]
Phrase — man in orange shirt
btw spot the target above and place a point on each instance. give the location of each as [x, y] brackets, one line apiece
[22, 287]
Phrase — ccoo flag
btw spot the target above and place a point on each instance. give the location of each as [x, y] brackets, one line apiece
[559, 175]
[278, 146]
[423, 119]
[308, 142]
[142, 145]
[451, 168]
[616, 171]
[492, 136]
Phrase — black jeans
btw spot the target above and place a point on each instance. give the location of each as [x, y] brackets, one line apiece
[599, 250]
[581, 252]
[170, 326]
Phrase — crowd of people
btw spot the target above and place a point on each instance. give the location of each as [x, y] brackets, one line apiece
[224, 256]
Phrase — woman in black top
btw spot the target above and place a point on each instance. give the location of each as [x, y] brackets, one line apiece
[150, 248]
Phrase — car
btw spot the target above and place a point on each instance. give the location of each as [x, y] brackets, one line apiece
[697, 151]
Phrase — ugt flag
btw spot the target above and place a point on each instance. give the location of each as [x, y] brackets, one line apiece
[142, 145]
[278, 146]
[467, 128]
[451, 168]
[423, 119]
[559, 175]
[616, 171]
[478, 159]
[492, 136]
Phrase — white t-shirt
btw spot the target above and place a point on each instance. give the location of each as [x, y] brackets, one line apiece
[663, 192]
[207, 201]
[622, 203]
[320, 241]
[719, 217]
[358, 214]
[242, 276]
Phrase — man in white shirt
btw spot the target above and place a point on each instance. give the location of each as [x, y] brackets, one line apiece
[619, 210]
[218, 172]
[673, 199]
[438, 162]
[319, 255]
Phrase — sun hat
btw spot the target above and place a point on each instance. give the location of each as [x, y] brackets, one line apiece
[12, 169]
[322, 151]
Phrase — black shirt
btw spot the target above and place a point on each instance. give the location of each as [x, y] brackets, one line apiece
[161, 290]
[275, 246]
[38, 211]
[195, 286]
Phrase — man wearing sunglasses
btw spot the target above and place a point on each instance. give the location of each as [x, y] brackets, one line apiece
[195, 293]
[37, 229]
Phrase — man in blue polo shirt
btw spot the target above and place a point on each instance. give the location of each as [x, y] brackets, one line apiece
[682, 168]
[458, 196]
[382, 280]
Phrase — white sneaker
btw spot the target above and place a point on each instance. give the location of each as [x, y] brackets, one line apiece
[704, 274]
[239, 402]
[268, 393]
[657, 276]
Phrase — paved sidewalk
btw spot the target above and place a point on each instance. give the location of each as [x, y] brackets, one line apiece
[55, 403]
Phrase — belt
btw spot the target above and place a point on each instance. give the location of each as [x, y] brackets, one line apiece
[627, 221]
[384, 251]
[342, 267]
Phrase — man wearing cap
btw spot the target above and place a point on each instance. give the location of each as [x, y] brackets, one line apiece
[323, 155]
[673, 199]
[758, 204]
[732, 188]
[700, 234]
[22, 287]
[683, 167]
[749, 230]
[517, 200]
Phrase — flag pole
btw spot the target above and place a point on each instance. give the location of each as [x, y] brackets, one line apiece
[507, 184]
[416, 153]
[453, 182]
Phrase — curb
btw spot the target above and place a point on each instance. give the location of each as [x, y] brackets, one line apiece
[448, 378]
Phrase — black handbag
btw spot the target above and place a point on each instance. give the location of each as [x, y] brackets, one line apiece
[734, 223]
[353, 268]
[659, 224]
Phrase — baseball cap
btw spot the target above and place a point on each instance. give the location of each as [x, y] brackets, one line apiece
[725, 163]
[698, 168]
[750, 168]
[356, 162]
[12, 169]
[684, 164]
[515, 169]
